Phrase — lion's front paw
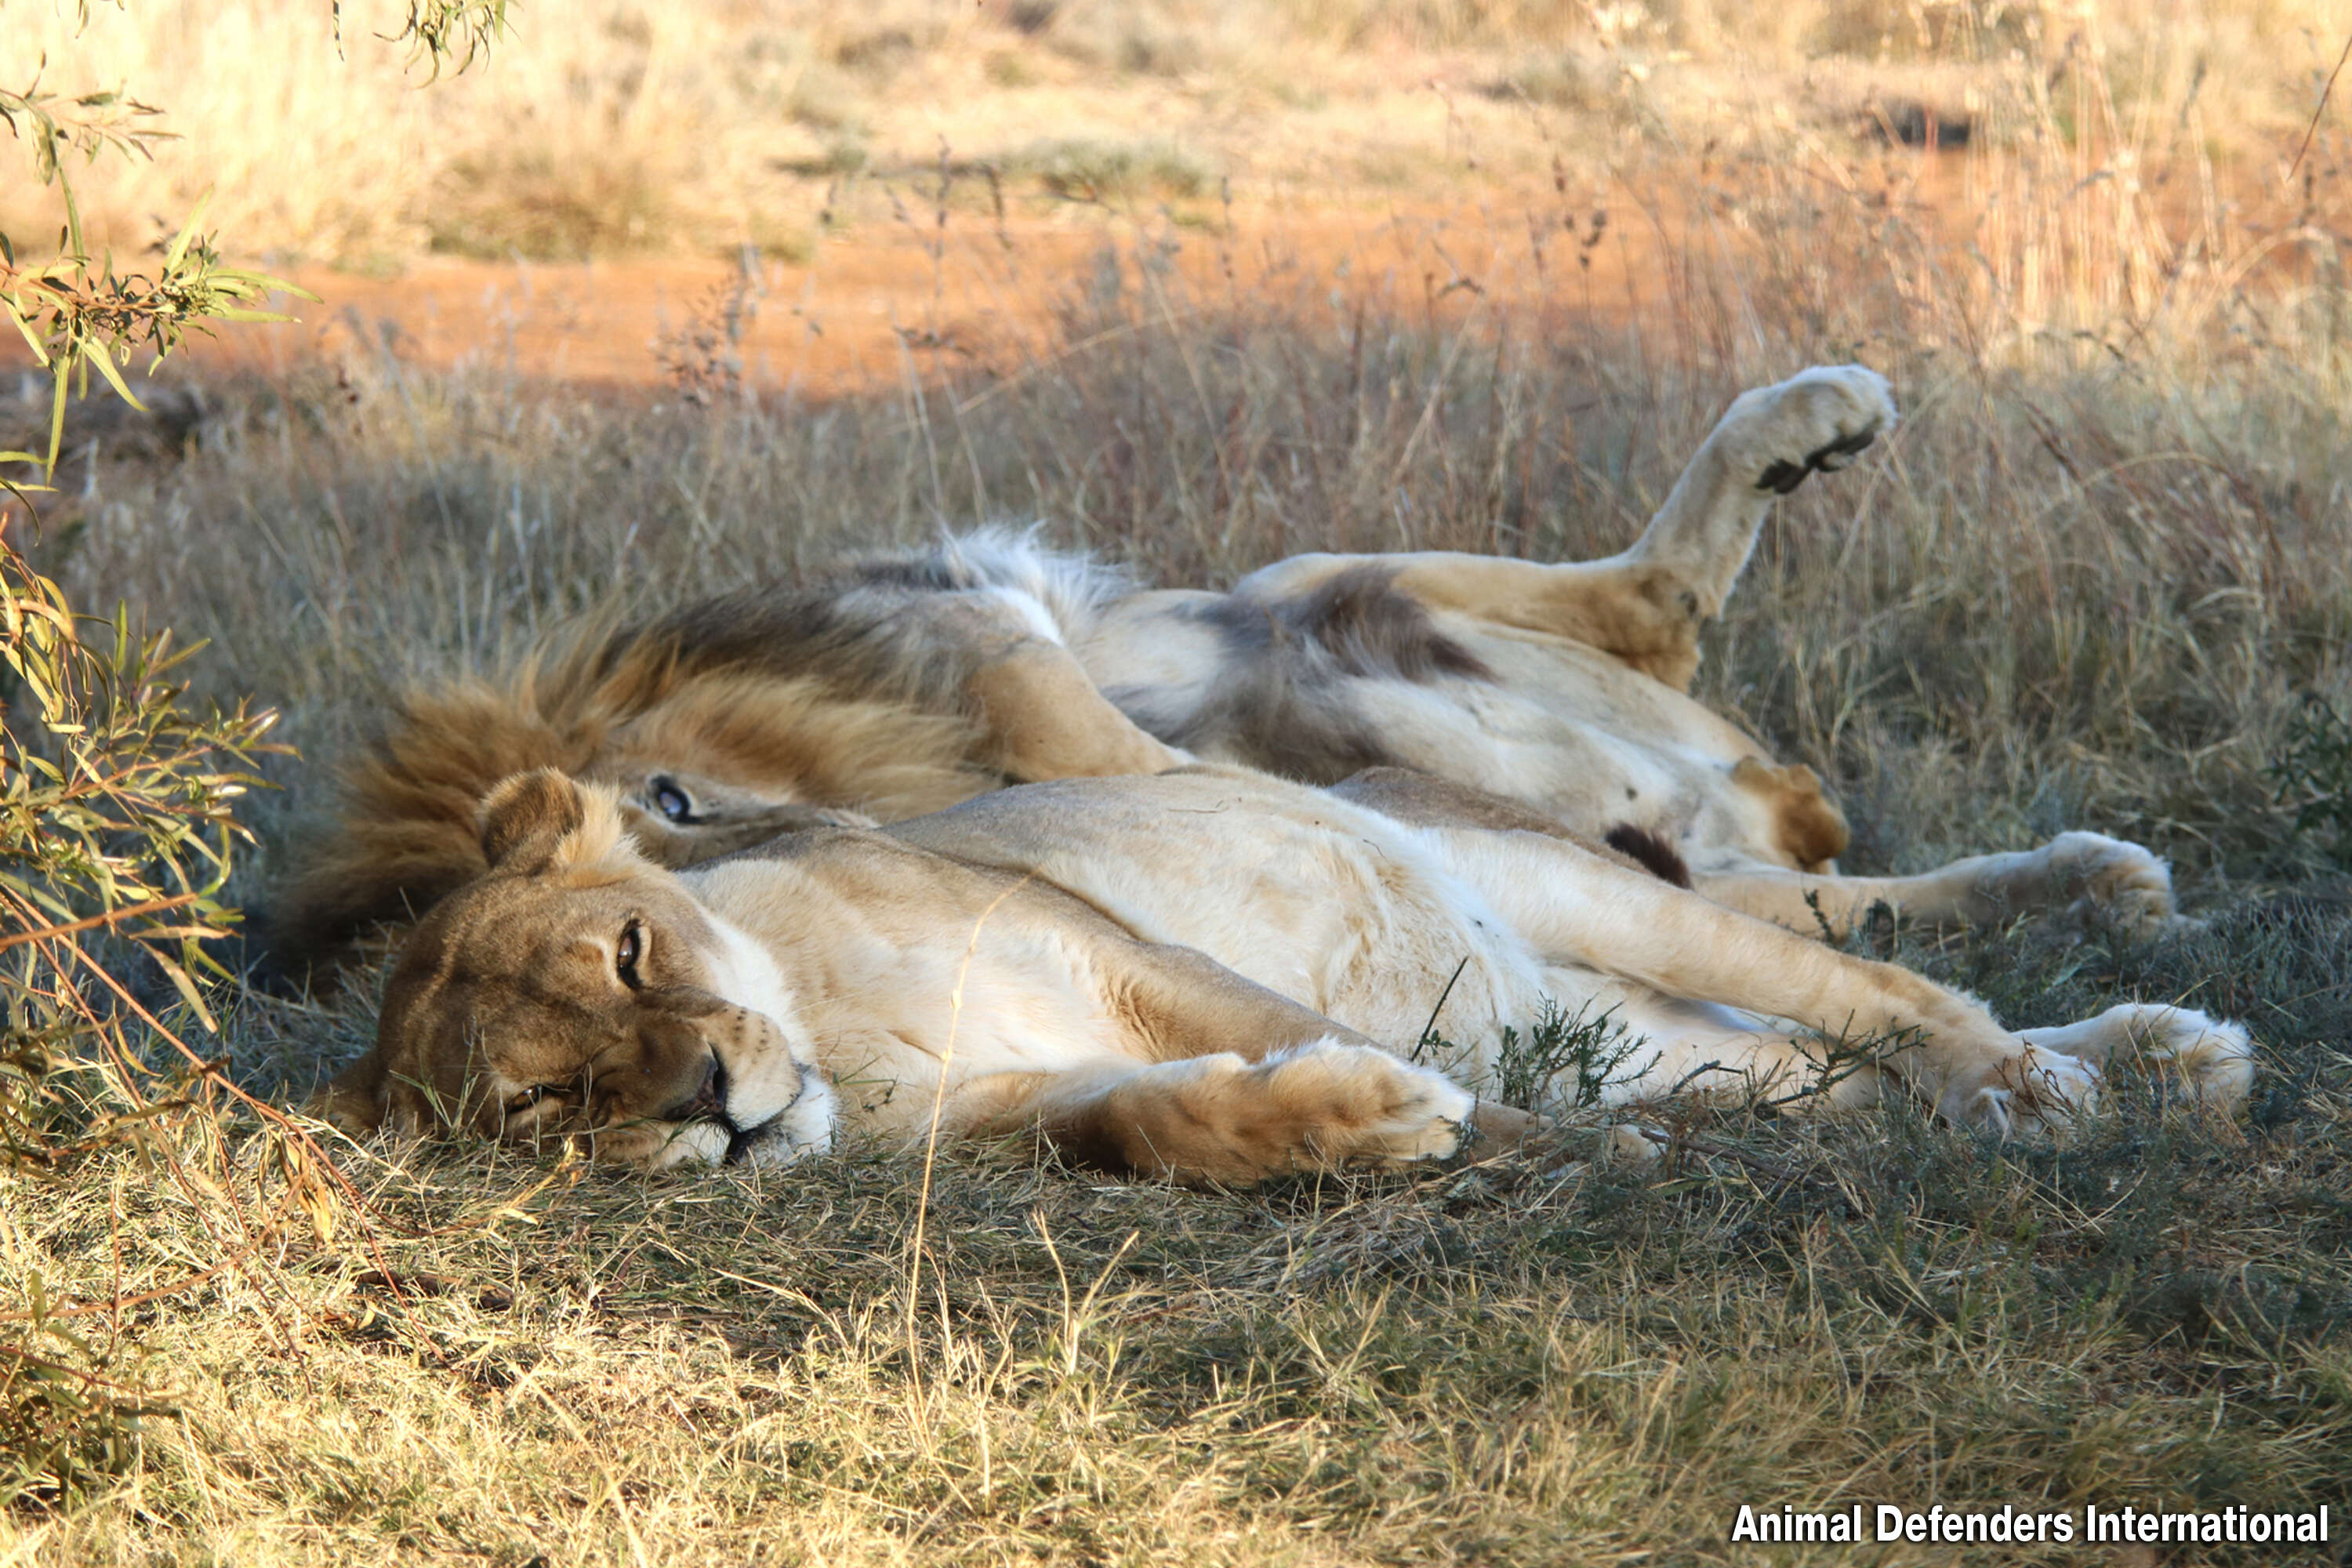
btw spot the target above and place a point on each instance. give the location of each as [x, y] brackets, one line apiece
[1355, 1105]
[1816, 422]
[2035, 1086]
[2110, 878]
[1324, 1106]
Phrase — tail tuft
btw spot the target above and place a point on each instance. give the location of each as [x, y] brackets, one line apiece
[1655, 855]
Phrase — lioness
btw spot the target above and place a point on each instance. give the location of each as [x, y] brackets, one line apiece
[901, 686]
[1190, 975]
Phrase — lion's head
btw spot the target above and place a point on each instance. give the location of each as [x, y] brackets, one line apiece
[580, 990]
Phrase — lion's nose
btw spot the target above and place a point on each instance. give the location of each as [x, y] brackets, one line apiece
[709, 1101]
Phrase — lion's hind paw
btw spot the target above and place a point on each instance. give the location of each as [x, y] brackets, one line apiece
[2204, 1060]
[2199, 1057]
[1817, 421]
[2116, 879]
[2038, 1087]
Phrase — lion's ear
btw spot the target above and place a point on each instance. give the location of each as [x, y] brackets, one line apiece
[547, 820]
[527, 816]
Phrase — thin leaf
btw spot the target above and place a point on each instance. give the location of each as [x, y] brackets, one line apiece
[32, 338]
[105, 364]
[58, 417]
[187, 232]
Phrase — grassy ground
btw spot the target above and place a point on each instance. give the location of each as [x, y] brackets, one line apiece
[2095, 580]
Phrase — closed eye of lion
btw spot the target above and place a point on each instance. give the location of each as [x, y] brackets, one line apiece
[1205, 975]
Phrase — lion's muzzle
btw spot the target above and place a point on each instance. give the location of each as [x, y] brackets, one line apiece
[708, 1101]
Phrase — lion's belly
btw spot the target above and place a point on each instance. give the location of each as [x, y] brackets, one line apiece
[1578, 736]
[1336, 908]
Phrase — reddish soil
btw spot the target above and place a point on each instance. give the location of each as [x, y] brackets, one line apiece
[881, 298]
[916, 293]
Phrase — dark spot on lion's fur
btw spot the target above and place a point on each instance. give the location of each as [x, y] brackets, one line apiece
[1782, 475]
[1656, 856]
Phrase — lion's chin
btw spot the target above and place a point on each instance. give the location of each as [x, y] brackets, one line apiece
[804, 1126]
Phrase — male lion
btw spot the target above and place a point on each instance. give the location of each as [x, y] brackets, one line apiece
[1189, 975]
[901, 686]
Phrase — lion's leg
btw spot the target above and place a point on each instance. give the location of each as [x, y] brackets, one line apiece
[1047, 720]
[2082, 875]
[2210, 1060]
[1581, 909]
[1645, 604]
[1654, 1045]
[1765, 445]
[1044, 717]
[1217, 1079]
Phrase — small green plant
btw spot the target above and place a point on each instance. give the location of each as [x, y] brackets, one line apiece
[2312, 775]
[63, 1423]
[79, 312]
[1531, 1071]
[117, 830]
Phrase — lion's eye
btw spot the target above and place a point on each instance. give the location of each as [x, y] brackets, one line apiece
[671, 801]
[521, 1102]
[631, 949]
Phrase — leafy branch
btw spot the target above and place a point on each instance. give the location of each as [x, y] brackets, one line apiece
[439, 30]
[79, 312]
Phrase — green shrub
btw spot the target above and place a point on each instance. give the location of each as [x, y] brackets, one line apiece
[116, 836]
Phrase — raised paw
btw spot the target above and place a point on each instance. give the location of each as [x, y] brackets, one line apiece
[1817, 421]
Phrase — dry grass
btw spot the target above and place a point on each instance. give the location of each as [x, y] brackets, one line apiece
[2085, 584]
